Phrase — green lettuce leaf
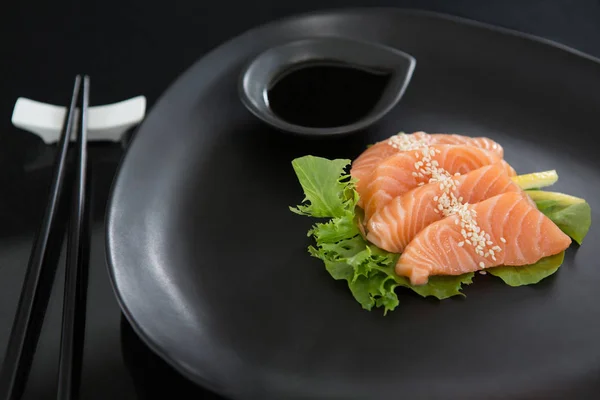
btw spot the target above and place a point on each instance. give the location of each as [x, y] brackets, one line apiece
[369, 271]
[571, 214]
[335, 229]
[327, 189]
[442, 287]
[529, 274]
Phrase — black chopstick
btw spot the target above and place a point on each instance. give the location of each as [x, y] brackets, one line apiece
[75, 292]
[35, 292]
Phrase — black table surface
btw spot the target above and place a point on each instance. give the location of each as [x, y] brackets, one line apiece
[133, 47]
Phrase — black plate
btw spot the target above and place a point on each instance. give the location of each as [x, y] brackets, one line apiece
[211, 267]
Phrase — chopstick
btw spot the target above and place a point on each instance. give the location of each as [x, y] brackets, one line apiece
[41, 269]
[39, 276]
[75, 291]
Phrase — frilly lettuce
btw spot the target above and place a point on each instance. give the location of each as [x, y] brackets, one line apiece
[327, 190]
[329, 193]
[369, 271]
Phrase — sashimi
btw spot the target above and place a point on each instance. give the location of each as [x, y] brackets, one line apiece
[480, 142]
[406, 170]
[395, 225]
[502, 230]
[364, 164]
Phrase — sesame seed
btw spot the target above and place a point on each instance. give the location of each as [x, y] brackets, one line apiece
[483, 272]
[482, 265]
[406, 142]
[503, 240]
[427, 168]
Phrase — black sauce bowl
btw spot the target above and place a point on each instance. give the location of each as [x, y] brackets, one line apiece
[267, 68]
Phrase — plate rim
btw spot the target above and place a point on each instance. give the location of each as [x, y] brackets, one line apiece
[110, 219]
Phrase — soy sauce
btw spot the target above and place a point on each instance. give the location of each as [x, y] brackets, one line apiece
[325, 95]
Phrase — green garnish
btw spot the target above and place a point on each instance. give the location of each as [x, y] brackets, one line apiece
[528, 274]
[369, 271]
[571, 214]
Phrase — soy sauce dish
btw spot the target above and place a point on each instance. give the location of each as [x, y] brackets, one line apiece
[325, 86]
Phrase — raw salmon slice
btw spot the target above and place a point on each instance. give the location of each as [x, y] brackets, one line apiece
[395, 225]
[364, 164]
[480, 142]
[404, 171]
[502, 230]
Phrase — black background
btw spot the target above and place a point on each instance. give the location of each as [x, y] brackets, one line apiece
[133, 47]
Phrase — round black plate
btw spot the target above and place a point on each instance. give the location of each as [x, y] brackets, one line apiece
[211, 267]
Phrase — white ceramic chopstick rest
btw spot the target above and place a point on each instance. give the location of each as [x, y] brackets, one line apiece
[106, 123]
